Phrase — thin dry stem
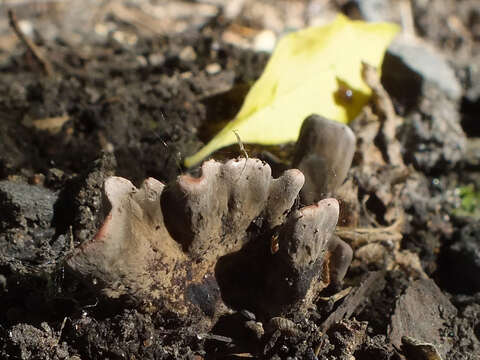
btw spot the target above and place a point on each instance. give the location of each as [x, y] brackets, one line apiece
[44, 63]
[357, 237]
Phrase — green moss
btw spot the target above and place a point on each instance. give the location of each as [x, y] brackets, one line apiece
[470, 201]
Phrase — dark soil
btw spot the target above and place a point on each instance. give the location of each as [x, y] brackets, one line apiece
[133, 115]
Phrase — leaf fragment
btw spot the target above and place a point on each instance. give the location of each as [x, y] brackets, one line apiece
[313, 71]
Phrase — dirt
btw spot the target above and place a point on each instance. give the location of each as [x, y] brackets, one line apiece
[137, 110]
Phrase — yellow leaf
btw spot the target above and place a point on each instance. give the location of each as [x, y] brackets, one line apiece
[307, 73]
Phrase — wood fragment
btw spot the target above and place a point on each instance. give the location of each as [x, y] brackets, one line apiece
[243, 355]
[374, 282]
[423, 300]
[219, 338]
[337, 296]
[52, 124]
[44, 63]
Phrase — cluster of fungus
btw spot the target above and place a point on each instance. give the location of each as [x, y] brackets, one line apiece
[232, 238]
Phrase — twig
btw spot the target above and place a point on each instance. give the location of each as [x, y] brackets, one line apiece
[406, 17]
[44, 63]
[240, 144]
[242, 150]
[59, 335]
[338, 296]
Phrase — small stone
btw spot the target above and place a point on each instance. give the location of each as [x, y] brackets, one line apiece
[24, 203]
[141, 61]
[188, 54]
[431, 134]
[377, 10]
[26, 27]
[213, 69]
[93, 94]
[265, 41]
[125, 38]
[406, 60]
[156, 59]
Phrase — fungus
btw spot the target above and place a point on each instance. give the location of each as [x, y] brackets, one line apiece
[201, 245]
[324, 153]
